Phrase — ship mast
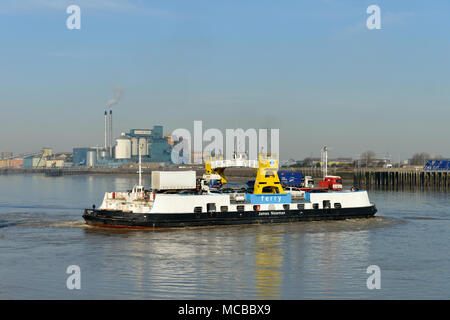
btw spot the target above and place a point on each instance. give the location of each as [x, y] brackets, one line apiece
[325, 161]
[140, 166]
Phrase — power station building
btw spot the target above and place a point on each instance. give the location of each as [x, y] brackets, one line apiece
[153, 145]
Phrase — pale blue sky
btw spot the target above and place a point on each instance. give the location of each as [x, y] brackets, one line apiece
[310, 68]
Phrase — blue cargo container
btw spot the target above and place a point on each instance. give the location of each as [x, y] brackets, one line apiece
[290, 178]
[437, 165]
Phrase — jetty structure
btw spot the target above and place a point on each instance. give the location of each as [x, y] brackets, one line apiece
[401, 178]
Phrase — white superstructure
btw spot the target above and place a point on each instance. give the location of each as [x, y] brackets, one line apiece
[140, 201]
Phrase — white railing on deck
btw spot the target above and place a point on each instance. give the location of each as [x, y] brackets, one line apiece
[234, 163]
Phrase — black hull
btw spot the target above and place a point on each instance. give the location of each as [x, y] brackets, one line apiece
[120, 219]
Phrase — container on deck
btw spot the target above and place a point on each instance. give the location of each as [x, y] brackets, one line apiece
[173, 180]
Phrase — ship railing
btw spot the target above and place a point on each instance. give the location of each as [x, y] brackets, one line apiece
[234, 163]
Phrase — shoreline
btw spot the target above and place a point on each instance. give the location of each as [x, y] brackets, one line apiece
[234, 175]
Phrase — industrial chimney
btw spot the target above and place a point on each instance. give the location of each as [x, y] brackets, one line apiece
[106, 130]
[110, 134]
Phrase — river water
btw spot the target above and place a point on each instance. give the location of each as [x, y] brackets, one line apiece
[42, 233]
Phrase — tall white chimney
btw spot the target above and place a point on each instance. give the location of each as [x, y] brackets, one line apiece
[106, 130]
[110, 134]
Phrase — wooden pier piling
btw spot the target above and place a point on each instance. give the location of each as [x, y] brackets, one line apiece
[401, 178]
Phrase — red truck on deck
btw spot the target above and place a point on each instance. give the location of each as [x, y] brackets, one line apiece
[331, 183]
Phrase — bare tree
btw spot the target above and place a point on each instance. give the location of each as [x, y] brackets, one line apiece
[307, 162]
[420, 158]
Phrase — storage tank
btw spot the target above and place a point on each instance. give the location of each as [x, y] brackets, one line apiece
[123, 148]
[143, 145]
[103, 154]
[91, 158]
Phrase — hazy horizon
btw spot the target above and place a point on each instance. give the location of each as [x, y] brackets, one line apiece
[309, 68]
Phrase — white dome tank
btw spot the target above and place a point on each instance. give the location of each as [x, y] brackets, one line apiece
[123, 148]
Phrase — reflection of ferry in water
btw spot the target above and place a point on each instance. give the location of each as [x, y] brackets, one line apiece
[178, 199]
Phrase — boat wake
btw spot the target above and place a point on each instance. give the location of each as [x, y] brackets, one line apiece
[68, 224]
[33, 223]
[424, 218]
[5, 224]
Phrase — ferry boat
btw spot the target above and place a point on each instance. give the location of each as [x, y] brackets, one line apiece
[177, 199]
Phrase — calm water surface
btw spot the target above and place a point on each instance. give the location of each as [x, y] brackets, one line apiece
[42, 233]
